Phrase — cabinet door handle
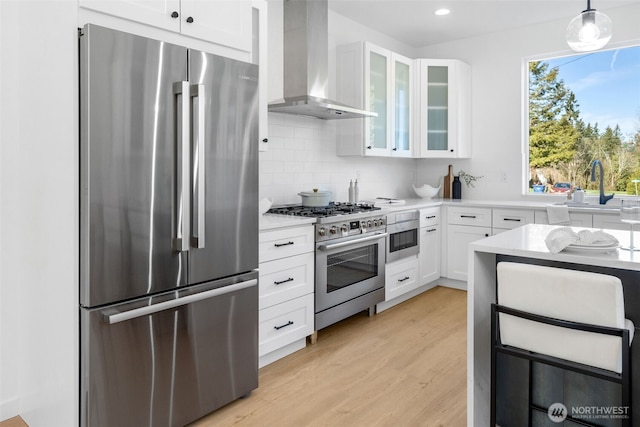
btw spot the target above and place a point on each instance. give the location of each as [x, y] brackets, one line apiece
[289, 323]
[277, 245]
[368, 147]
[430, 217]
[174, 14]
[468, 216]
[512, 219]
[265, 140]
[290, 279]
[429, 231]
[190, 20]
[486, 234]
[403, 279]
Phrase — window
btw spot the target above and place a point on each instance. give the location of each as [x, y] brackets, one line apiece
[582, 108]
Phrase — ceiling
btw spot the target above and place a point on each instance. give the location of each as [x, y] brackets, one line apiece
[414, 22]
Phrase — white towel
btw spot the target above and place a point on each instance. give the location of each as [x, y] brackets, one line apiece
[562, 237]
[558, 215]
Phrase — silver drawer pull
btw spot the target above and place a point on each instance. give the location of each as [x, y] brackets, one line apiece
[277, 245]
[290, 279]
[289, 323]
[402, 280]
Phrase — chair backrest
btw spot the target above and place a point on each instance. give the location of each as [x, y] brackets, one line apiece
[577, 296]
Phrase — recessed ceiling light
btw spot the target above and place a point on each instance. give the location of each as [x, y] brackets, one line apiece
[441, 12]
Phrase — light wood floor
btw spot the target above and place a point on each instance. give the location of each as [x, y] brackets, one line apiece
[403, 367]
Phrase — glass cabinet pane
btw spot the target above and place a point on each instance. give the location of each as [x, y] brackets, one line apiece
[402, 88]
[437, 107]
[378, 100]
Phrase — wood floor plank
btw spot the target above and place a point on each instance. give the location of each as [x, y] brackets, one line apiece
[405, 366]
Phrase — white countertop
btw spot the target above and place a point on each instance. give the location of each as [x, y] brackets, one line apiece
[273, 221]
[528, 241]
[519, 204]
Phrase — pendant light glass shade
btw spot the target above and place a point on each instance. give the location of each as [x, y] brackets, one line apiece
[590, 30]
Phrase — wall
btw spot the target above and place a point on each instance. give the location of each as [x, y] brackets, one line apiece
[301, 153]
[497, 95]
[39, 212]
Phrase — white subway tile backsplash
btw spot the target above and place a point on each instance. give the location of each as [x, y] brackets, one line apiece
[302, 155]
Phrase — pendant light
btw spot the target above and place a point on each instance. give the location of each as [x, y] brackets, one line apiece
[590, 30]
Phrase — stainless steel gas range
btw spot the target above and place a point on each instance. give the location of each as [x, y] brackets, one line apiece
[350, 258]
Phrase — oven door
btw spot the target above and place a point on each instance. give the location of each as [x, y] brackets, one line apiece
[348, 268]
[403, 240]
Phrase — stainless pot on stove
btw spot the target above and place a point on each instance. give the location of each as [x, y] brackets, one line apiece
[315, 198]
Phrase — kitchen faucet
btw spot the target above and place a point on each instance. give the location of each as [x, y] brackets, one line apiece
[603, 198]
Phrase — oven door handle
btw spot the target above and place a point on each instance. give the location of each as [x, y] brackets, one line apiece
[351, 242]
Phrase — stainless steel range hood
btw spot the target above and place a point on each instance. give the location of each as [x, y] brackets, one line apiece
[306, 54]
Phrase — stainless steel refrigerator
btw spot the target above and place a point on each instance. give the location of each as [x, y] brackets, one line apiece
[168, 229]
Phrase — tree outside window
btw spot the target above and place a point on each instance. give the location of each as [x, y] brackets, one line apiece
[565, 136]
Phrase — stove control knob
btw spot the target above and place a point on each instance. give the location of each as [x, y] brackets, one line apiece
[322, 231]
[344, 228]
[333, 230]
[375, 222]
[381, 222]
[369, 223]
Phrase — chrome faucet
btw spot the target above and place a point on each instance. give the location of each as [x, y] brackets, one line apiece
[603, 198]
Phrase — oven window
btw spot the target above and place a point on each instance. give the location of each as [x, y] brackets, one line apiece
[403, 240]
[351, 266]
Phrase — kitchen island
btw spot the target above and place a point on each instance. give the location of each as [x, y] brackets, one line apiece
[526, 244]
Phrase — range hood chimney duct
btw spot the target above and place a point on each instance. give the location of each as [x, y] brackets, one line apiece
[306, 55]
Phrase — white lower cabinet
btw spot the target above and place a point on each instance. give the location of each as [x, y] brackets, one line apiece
[464, 225]
[401, 277]
[458, 239]
[286, 291]
[609, 221]
[577, 219]
[430, 248]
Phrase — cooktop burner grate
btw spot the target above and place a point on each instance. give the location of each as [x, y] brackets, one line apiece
[333, 209]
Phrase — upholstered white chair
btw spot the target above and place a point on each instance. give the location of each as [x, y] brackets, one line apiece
[566, 318]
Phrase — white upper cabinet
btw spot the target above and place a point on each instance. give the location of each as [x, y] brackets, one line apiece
[259, 56]
[444, 112]
[225, 22]
[381, 81]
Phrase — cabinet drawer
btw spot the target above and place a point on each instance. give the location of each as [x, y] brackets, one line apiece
[286, 242]
[285, 279]
[577, 219]
[401, 277]
[429, 216]
[479, 217]
[511, 218]
[285, 323]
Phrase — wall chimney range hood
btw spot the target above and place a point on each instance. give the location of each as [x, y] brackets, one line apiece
[306, 56]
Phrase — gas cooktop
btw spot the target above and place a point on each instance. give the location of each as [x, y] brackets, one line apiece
[333, 209]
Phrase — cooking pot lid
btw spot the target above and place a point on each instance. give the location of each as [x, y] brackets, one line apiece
[315, 193]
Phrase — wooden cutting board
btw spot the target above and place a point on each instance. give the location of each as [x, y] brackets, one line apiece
[448, 181]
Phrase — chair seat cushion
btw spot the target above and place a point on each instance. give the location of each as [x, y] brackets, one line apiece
[571, 295]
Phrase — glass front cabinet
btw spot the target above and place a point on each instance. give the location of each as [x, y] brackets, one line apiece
[381, 81]
[444, 111]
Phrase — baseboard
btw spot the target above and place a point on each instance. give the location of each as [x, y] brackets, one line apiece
[9, 408]
[402, 298]
[452, 283]
[282, 352]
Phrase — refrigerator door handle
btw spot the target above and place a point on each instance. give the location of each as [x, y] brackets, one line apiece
[113, 316]
[182, 208]
[198, 198]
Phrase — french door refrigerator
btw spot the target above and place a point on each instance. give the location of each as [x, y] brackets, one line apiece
[168, 230]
